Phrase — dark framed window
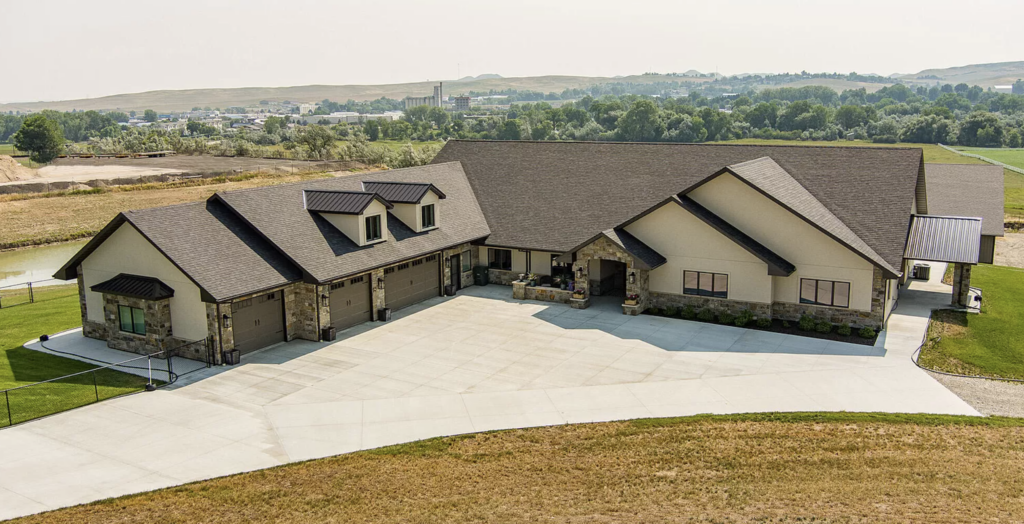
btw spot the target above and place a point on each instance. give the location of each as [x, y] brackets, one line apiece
[133, 319]
[499, 259]
[559, 270]
[467, 261]
[427, 216]
[706, 284]
[373, 228]
[824, 292]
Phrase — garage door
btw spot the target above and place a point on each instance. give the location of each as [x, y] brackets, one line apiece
[411, 282]
[258, 322]
[350, 302]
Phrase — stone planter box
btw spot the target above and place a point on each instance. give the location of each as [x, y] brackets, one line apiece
[629, 302]
[631, 309]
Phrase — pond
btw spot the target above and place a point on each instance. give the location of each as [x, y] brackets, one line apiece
[33, 264]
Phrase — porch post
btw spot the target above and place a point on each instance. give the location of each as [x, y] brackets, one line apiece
[961, 284]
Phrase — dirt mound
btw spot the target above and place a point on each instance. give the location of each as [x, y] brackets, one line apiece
[12, 171]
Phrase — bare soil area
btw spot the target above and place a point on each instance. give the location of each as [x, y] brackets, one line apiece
[12, 171]
[1010, 250]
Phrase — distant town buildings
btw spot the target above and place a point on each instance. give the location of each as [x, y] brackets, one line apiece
[435, 100]
[460, 103]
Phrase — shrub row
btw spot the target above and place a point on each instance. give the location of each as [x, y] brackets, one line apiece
[746, 317]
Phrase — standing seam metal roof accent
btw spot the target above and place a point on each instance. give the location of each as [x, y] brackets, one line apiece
[944, 239]
[401, 192]
[135, 286]
[341, 202]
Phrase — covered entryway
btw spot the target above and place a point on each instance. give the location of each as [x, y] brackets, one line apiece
[954, 240]
[350, 302]
[258, 322]
[412, 282]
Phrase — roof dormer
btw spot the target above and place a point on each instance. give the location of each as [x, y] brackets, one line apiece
[362, 216]
[415, 204]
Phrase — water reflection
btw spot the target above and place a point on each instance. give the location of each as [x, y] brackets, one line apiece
[35, 263]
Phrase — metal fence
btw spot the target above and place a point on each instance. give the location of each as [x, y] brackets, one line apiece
[37, 291]
[1015, 169]
[110, 380]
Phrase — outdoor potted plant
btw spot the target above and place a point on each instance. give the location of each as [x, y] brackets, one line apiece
[532, 280]
[632, 299]
[579, 294]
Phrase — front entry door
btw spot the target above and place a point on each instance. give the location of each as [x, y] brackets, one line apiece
[456, 271]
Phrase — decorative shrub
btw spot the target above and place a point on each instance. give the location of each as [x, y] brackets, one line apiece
[688, 313]
[785, 324]
[823, 327]
[745, 317]
[806, 323]
[764, 322]
[866, 332]
[670, 311]
[844, 329]
[726, 318]
[705, 314]
[653, 311]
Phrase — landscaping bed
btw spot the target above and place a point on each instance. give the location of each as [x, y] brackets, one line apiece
[799, 467]
[806, 327]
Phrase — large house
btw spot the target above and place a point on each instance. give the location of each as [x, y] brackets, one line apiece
[782, 231]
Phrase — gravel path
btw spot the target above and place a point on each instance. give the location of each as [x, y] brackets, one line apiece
[990, 397]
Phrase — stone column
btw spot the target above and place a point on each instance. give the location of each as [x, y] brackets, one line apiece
[323, 308]
[376, 293]
[961, 284]
[519, 290]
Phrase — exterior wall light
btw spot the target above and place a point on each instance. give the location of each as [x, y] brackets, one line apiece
[227, 320]
[579, 272]
[380, 283]
[325, 299]
[448, 263]
[632, 277]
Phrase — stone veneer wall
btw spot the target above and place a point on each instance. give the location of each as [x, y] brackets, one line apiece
[502, 277]
[467, 276]
[546, 294]
[961, 285]
[158, 335]
[90, 328]
[604, 249]
[718, 305]
[838, 315]
[300, 305]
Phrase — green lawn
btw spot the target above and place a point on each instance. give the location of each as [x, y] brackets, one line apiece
[1012, 157]
[55, 310]
[989, 343]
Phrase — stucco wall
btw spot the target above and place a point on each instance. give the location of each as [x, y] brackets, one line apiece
[814, 254]
[127, 251]
[540, 262]
[689, 244]
[354, 226]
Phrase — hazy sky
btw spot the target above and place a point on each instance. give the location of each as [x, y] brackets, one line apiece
[67, 49]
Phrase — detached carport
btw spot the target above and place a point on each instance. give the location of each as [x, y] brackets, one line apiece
[953, 240]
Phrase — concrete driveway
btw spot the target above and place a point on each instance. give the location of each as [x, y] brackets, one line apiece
[475, 362]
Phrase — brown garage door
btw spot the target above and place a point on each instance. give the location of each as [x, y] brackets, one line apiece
[411, 282]
[350, 302]
[258, 322]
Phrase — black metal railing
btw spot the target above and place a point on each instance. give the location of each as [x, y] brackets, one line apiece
[36, 291]
[110, 380]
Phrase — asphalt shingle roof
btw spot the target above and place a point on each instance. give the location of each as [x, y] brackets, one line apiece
[324, 253]
[554, 195]
[967, 190]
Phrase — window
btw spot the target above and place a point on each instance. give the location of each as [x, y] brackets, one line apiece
[824, 292]
[467, 261]
[706, 284]
[499, 259]
[559, 270]
[427, 216]
[133, 320]
[373, 228]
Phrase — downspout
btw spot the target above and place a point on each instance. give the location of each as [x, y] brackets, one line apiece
[316, 300]
[220, 331]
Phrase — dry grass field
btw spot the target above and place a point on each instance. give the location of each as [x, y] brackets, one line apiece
[752, 468]
[40, 218]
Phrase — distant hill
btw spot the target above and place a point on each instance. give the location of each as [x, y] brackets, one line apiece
[984, 75]
[180, 100]
[478, 77]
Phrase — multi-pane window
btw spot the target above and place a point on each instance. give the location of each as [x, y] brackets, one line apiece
[499, 259]
[133, 320]
[427, 216]
[373, 228]
[824, 292]
[467, 261]
[706, 284]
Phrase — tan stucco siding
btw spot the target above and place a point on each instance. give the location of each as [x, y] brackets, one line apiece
[815, 254]
[687, 243]
[354, 226]
[540, 262]
[519, 261]
[892, 294]
[411, 215]
[127, 251]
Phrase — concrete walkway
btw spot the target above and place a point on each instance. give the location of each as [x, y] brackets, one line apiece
[476, 362]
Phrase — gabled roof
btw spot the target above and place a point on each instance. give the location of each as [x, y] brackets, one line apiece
[552, 196]
[771, 180]
[207, 243]
[341, 202]
[323, 253]
[944, 239]
[135, 286]
[777, 265]
[967, 190]
[646, 255]
[402, 192]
